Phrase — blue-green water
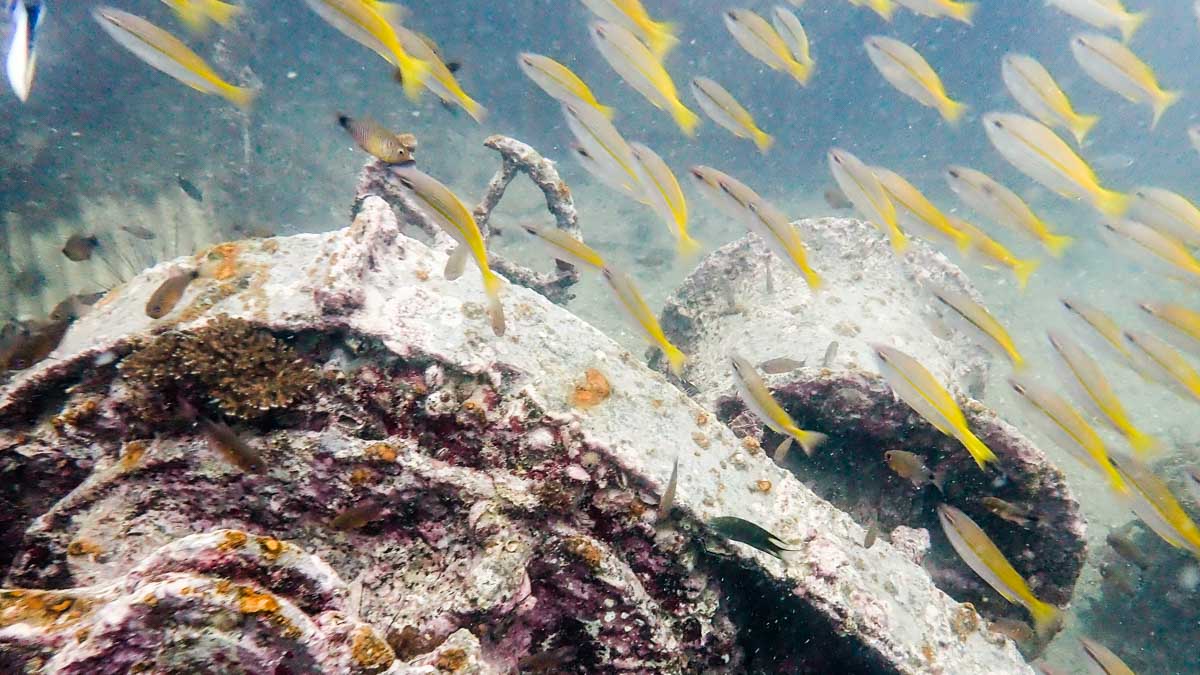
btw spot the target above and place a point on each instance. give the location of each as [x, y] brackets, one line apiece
[103, 128]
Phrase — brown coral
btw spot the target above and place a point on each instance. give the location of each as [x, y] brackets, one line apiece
[241, 368]
[592, 391]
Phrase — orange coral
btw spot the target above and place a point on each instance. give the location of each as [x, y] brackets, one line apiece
[592, 391]
[381, 451]
[253, 602]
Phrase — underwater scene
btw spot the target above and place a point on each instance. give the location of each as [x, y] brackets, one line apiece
[599, 336]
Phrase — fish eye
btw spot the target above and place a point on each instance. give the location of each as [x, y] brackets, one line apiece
[1141, 194]
[1067, 304]
[406, 182]
[731, 15]
[953, 173]
[997, 124]
[1018, 388]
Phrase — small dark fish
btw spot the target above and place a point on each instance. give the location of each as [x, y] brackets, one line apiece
[550, 661]
[911, 466]
[357, 516]
[1119, 578]
[1013, 513]
[830, 355]
[668, 497]
[225, 441]
[872, 534]
[79, 247]
[168, 294]
[1014, 629]
[780, 365]
[373, 138]
[189, 188]
[74, 306]
[32, 344]
[746, 532]
[139, 231]
[1127, 549]
[836, 199]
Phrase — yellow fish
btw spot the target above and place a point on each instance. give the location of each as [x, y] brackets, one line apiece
[763, 42]
[979, 552]
[166, 53]
[993, 251]
[959, 11]
[904, 193]
[1067, 427]
[1103, 14]
[640, 70]
[1185, 321]
[722, 108]
[1179, 374]
[1113, 66]
[1099, 392]
[559, 81]
[448, 211]
[863, 189]
[884, 8]
[982, 320]
[1153, 247]
[1167, 212]
[662, 190]
[792, 32]
[659, 36]
[986, 195]
[567, 248]
[608, 155]
[371, 24]
[911, 74]
[440, 80]
[757, 397]
[1157, 507]
[1039, 153]
[198, 14]
[917, 387]
[1112, 337]
[634, 306]
[1035, 89]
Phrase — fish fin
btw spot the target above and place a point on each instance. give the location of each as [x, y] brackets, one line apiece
[1115, 481]
[1056, 243]
[1023, 269]
[1162, 101]
[491, 285]
[800, 72]
[962, 241]
[1143, 443]
[675, 358]
[662, 38]
[242, 97]
[810, 440]
[781, 450]
[1130, 23]
[1113, 203]
[898, 239]
[813, 280]
[952, 111]
[687, 248]
[222, 12]
[411, 73]
[884, 8]
[392, 12]
[1083, 124]
[1047, 619]
[939, 477]
[456, 262]
[193, 18]
[979, 450]
[965, 12]
[607, 111]
[474, 109]
[763, 140]
[685, 118]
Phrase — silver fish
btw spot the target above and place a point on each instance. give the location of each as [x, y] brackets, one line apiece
[19, 23]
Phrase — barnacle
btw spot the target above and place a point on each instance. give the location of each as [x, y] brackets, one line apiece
[240, 368]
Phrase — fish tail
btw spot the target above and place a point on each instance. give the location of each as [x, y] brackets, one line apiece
[685, 118]
[965, 12]
[1141, 442]
[675, 358]
[662, 38]
[898, 239]
[1056, 243]
[962, 241]
[1111, 202]
[193, 18]
[1162, 101]
[812, 278]
[809, 440]
[392, 12]
[799, 71]
[1114, 479]
[979, 450]
[1047, 618]
[952, 111]
[411, 73]
[884, 8]
[687, 247]
[491, 285]
[242, 97]
[1023, 269]
[605, 110]
[222, 12]
[474, 108]
[1082, 125]
[763, 140]
[1131, 22]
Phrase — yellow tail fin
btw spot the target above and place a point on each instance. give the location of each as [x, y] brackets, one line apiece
[685, 118]
[491, 285]
[813, 280]
[675, 358]
[242, 97]
[193, 18]
[763, 140]
[1142, 443]
[686, 247]
[1055, 243]
[222, 12]
[965, 12]
[474, 109]
[1131, 23]
[1112, 203]
[809, 440]
[952, 111]
[898, 239]
[605, 110]
[800, 72]
[1082, 125]
[662, 39]
[392, 12]
[883, 8]
[411, 73]
[1047, 619]
[982, 453]
[1023, 269]
[1162, 101]
[962, 241]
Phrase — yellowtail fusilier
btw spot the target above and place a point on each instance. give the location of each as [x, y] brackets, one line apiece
[917, 387]
[642, 71]
[1103, 14]
[1167, 212]
[567, 248]
[1184, 322]
[992, 252]
[1059, 420]
[1035, 150]
[986, 195]
[659, 36]
[911, 74]
[792, 31]
[921, 211]
[20, 22]
[738, 201]
[198, 15]
[1159, 252]
[863, 189]
[166, 53]
[662, 191]
[448, 211]
[979, 552]
[607, 173]
[977, 316]
[722, 108]
[440, 80]
[1086, 375]
[634, 306]
[606, 149]
[1113, 66]
[1111, 335]
[1157, 507]
[953, 9]
[1100, 657]
[758, 399]
[884, 8]
[764, 43]
[559, 81]
[1035, 89]
[371, 25]
[1175, 370]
